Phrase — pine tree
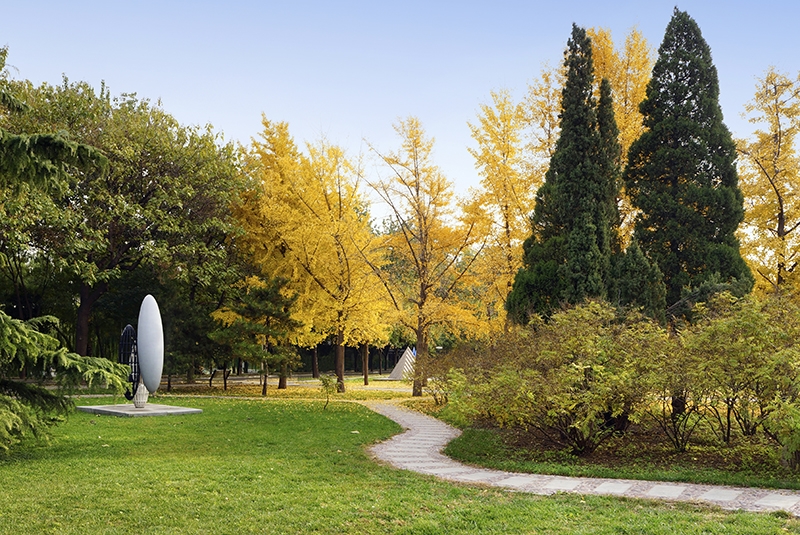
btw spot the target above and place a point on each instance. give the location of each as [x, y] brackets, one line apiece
[681, 173]
[567, 259]
[257, 324]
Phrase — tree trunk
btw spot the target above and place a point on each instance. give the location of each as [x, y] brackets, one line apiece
[416, 389]
[88, 297]
[315, 362]
[190, 373]
[283, 376]
[365, 362]
[225, 373]
[210, 379]
[339, 361]
[266, 376]
[419, 361]
[678, 404]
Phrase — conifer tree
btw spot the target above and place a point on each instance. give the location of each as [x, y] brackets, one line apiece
[609, 161]
[633, 280]
[567, 258]
[257, 324]
[681, 173]
[640, 283]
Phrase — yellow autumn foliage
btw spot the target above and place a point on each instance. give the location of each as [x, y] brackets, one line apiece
[307, 221]
[769, 177]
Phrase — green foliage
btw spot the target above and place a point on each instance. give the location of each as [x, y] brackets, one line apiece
[783, 423]
[746, 351]
[572, 379]
[610, 162]
[257, 324]
[575, 220]
[28, 409]
[674, 393]
[329, 384]
[639, 282]
[162, 205]
[681, 172]
[590, 370]
[46, 159]
[538, 286]
[8, 101]
[47, 162]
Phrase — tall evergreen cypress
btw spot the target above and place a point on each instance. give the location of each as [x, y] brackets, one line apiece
[567, 257]
[609, 160]
[681, 173]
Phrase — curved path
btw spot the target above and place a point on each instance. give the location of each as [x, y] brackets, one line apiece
[419, 449]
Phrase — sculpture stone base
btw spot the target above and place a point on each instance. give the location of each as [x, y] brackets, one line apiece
[130, 411]
[140, 398]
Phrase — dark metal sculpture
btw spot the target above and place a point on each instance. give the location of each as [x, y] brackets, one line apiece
[128, 354]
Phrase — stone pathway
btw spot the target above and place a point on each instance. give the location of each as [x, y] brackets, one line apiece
[419, 449]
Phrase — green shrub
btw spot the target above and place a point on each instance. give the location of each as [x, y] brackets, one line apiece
[573, 379]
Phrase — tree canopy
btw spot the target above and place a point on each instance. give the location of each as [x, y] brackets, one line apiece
[681, 172]
[41, 161]
[431, 251]
[769, 168]
[306, 220]
[568, 255]
[164, 200]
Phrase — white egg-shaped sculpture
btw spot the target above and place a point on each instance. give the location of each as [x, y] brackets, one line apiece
[150, 342]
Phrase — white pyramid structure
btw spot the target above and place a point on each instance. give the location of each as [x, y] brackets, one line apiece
[404, 369]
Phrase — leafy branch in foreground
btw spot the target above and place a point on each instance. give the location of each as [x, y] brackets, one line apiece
[28, 409]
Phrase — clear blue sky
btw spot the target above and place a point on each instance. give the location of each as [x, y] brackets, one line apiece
[348, 70]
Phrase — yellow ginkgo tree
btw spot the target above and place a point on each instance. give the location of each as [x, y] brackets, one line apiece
[307, 221]
[628, 70]
[503, 201]
[769, 176]
[429, 248]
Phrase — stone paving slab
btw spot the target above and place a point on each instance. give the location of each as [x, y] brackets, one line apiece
[475, 476]
[665, 491]
[612, 487]
[779, 501]
[419, 449]
[721, 495]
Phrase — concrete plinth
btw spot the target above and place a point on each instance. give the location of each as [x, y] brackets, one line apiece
[129, 410]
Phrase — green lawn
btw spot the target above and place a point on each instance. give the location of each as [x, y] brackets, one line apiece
[275, 466]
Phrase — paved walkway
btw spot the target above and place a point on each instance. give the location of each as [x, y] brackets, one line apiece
[419, 449]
